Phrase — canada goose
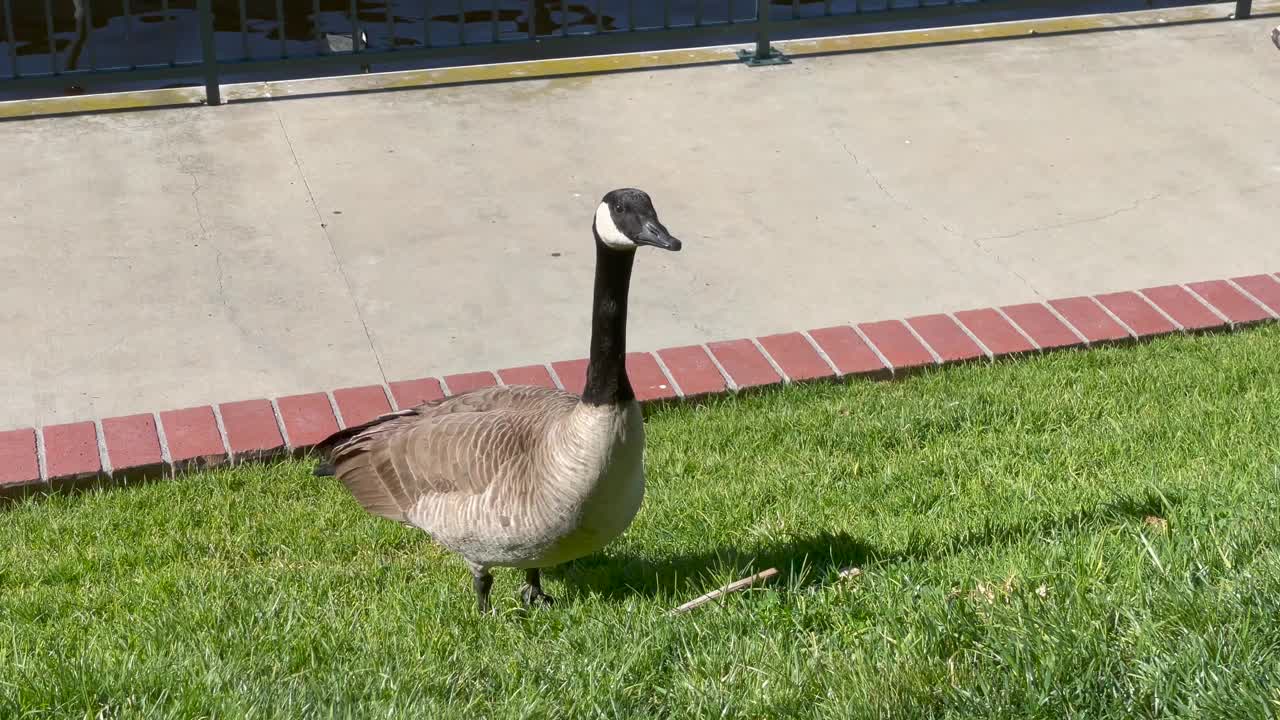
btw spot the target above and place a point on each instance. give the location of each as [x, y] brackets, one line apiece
[521, 476]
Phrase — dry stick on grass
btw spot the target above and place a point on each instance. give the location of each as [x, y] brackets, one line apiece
[734, 586]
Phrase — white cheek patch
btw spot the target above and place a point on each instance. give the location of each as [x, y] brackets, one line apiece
[609, 233]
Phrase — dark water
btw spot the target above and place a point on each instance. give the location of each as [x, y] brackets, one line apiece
[66, 35]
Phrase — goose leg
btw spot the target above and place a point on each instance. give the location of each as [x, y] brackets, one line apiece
[532, 593]
[482, 583]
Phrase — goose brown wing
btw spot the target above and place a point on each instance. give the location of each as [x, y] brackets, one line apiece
[456, 446]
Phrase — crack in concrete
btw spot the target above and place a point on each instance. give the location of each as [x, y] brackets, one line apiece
[1260, 93]
[222, 288]
[995, 256]
[868, 172]
[1255, 188]
[342, 270]
[1072, 223]
[978, 241]
[204, 230]
[948, 229]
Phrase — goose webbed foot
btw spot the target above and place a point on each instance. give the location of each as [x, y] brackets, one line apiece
[482, 583]
[531, 594]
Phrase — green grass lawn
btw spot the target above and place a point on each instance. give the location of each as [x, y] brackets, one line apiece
[1084, 534]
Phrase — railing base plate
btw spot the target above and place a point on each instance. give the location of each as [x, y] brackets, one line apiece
[775, 58]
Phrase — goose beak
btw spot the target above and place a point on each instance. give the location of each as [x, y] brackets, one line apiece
[653, 233]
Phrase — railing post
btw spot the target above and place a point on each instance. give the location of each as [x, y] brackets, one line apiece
[764, 54]
[1244, 8]
[208, 53]
[763, 13]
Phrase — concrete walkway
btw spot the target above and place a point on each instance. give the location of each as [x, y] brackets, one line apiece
[170, 258]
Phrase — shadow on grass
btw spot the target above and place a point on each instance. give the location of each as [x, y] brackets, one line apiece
[621, 575]
[819, 557]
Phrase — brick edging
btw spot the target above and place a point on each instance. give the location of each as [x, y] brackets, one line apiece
[147, 445]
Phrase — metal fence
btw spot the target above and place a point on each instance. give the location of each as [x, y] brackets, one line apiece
[48, 43]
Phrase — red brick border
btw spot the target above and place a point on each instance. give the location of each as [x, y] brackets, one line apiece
[133, 446]
[194, 438]
[172, 441]
[19, 463]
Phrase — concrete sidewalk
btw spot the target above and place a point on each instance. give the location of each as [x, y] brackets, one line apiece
[171, 258]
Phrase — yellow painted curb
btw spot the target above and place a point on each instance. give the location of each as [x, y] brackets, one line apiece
[102, 102]
[997, 31]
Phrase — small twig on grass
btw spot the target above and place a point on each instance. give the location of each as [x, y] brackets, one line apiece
[732, 587]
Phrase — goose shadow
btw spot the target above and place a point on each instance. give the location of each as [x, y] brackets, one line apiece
[620, 574]
[816, 558]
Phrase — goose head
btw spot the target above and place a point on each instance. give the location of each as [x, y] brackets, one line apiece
[625, 220]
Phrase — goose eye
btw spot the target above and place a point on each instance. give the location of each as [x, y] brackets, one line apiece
[617, 208]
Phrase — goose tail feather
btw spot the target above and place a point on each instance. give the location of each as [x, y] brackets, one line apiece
[350, 455]
[359, 473]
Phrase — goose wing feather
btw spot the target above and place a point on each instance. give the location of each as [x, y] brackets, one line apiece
[459, 445]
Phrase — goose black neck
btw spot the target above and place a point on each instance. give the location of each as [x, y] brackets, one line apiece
[607, 382]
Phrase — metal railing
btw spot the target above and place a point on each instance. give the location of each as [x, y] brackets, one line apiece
[144, 41]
